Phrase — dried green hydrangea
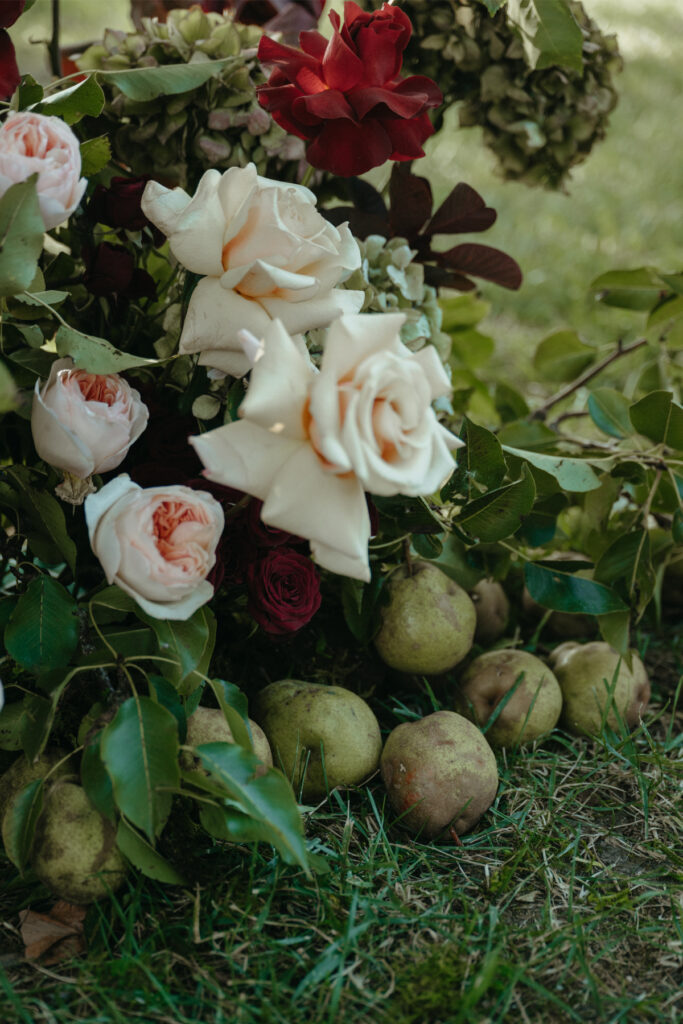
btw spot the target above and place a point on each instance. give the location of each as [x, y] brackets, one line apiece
[220, 124]
[394, 284]
[540, 123]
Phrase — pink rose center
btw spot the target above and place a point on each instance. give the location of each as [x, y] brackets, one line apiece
[96, 387]
[168, 516]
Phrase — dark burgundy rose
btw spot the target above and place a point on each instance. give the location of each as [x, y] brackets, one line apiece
[345, 96]
[284, 591]
[119, 205]
[265, 536]
[9, 72]
[110, 270]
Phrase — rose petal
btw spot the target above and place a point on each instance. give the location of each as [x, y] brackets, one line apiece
[244, 455]
[214, 317]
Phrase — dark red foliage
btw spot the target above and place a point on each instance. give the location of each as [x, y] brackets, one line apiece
[118, 206]
[345, 96]
[10, 11]
[110, 270]
[284, 591]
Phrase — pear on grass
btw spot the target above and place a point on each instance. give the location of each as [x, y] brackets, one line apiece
[209, 725]
[493, 610]
[440, 774]
[10, 732]
[597, 685]
[22, 772]
[326, 736]
[74, 851]
[533, 708]
[428, 625]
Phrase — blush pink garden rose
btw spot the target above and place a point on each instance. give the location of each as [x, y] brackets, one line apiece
[46, 146]
[158, 544]
[84, 423]
[310, 444]
[263, 251]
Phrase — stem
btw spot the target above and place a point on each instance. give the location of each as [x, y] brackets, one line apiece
[621, 350]
[55, 60]
[308, 174]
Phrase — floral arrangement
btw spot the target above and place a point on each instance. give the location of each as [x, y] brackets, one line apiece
[234, 414]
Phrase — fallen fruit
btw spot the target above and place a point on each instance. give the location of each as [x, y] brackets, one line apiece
[428, 625]
[209, 725]
[493, 610]
[598, 686]
[440, 773]
[325, 736]
[531, 711]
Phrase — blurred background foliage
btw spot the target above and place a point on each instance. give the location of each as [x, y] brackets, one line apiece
[623, 207]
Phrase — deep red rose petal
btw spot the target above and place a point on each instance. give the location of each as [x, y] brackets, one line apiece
[407, 137]
[314, 44]
[278, 101]
[342, 68]
[420, 85]
[10, 11]
[9, 72]
[324, 106]
[287, 58]
[352, 11]
[367, 98]
[349, 149]
[310, 81]
[381, 53]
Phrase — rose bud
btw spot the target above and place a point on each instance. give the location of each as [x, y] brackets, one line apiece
[158, 544]
[284, 591]
[35, 143]
[84, 423]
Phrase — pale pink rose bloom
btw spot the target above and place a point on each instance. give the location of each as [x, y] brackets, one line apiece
[310, 444]
[264, 252]
[35, 143]
[84, 423]
[158, 544]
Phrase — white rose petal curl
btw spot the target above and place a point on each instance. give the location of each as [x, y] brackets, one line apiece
[310, 444]
[264, 253]
[158, 544]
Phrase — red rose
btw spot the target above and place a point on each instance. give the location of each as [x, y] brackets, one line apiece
[119, 205]
[284, 591]
[345, 96]
[9, 72]
[110, 269]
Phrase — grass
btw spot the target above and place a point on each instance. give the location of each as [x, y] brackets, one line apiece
[566, 903]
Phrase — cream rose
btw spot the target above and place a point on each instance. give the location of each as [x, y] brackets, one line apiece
[264, 252]
[158, 544]
[84, 423]
[310, 444]
[35, 143]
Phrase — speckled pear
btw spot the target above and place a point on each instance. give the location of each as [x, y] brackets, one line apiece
[597, 685]
[209, 725]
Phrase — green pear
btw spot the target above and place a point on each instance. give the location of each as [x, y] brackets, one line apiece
[209, 725]
[597, 685]
[326, 736]
[440, 773]
[22, 772]
[493, 610]
[10, 733]
[531, 711]
[74, 851]
[428, 625]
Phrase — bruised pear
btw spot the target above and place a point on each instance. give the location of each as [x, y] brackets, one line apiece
[493, 610]
[321, 736]
[209, 725]
[532, 709]
[428, 624]
[598, 686]
[74, 851]
[22, 772]
[10, 732]
[440, 773]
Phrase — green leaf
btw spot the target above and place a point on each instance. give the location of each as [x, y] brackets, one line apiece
[499, 513]
[609, 411]
[28, 93]
[492, 5]
[233, 704]
[140, 752]
[566, 593]
[636, 289]
[48, 513]
[549, 32]
[114, 598]
[75, 102]
[144, 857]
[510, 404]
[670, 308]
[43, 631]
[143, 84]
[562, 356]
[163, 693]
[8, 390]
[36, 299]
[571, 474]
[96, 781]
[187, 647]
[95, 354]
[615, 630]
[19, 824]
[629, 559]
[658, 417]
[37, 716]
[95, 155]
[267, 799]
[21, 236]
[360, 603]
[677, 527]
[528, 434]
[480, 462]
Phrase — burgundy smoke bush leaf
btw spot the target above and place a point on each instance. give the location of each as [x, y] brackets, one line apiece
[463, 210]
[483, 261]
[411, 202]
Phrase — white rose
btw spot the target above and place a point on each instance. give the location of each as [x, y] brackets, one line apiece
[35, 143]
[264, 252]
[310, 444]
[84, 423]
[2, 697]
[158, 544]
